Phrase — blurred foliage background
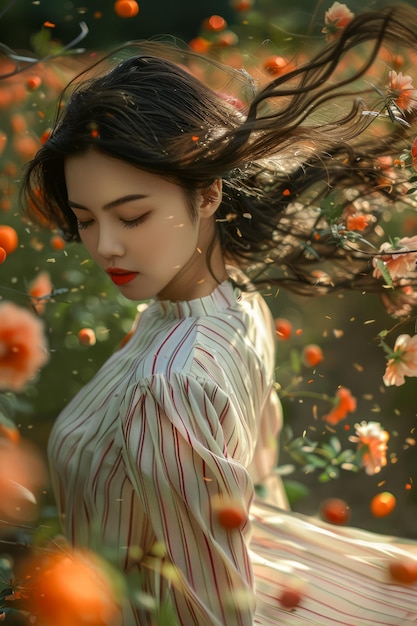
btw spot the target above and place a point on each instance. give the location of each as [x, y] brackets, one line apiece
[344, 326]
[265, 19]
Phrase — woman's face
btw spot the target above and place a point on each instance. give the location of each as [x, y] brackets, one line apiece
[138, 227]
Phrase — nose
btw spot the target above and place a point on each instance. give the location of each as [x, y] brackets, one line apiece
[109, 244]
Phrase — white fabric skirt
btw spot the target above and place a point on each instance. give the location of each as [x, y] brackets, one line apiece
[341, 573]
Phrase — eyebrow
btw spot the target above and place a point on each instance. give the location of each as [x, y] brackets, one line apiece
[113, 203]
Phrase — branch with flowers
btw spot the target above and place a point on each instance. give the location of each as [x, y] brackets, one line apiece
[327, 455]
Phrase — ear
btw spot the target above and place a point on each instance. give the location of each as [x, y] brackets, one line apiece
[210, 199]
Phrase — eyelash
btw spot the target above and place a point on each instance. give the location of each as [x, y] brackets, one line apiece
[126, 223]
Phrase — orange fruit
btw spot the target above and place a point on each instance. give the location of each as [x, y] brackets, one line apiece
[215, 23]
[275, 65]
[11, 433]
[312, 355]
[33, 82]
[87, 337]
[126, 8]
[226, 38]
[383, 504]
[289, 598]
[73, 588]
[5, 204]
[18, 123]
[241, 5]
[6, 98]
[283, 328]
[230, 512]
[3, 141]
[25, 146]
[403, 571]
[231, 516]
[335, 511]
[9, 239]
[45, 136]
[3, 255]
[57, 242]
[199, 44]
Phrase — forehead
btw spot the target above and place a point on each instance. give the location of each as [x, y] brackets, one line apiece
[97, 167]
[94, 174]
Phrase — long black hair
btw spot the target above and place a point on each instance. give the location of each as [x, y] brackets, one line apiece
[294, 158]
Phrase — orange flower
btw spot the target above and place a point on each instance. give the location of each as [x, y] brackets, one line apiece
[346, 403]
[399, 302]
[40, 287]
[402, 361]
[336, 19]
[357, 222]
[22, 473]
[401, 90]
[372, 443]
[22, 346]
[400, 259]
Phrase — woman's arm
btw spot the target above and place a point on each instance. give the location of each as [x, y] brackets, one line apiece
[179, 467]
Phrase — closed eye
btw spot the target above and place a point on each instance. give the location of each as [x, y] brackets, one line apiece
[83, 224]
[135, 222]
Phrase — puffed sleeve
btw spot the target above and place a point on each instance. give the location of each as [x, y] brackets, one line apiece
[265, 458]
[179, 464]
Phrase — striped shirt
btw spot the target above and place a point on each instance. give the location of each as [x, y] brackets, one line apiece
[183, 414]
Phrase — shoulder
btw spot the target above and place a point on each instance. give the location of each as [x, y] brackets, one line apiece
[225, 339]
[209, 337]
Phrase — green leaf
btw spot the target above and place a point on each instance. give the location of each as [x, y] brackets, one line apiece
[315, 460]
[335, 444]
[284, 470]
[327, 451]
[330, 473]
[311, 250]
[331, 211]
[295, 361]
[324, 477]
[261, 490]
[6, 591]
[6, 571]
[344, 457]
[295, 490]
[384, 272]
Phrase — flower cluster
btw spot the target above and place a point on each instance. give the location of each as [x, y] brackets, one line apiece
[23, 349]
[336, 19]
[371, 440]
[402, 91]
[345, 403]
[402, 360]
[396, 260]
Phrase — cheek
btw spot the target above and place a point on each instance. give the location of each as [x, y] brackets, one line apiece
[176, 239]
[87, 239]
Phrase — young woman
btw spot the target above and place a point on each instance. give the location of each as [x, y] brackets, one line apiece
[180, 196]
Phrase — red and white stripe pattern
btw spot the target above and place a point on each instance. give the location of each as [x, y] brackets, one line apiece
[340, 572]
[184, 413]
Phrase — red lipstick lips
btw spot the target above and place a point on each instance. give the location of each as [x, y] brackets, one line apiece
[120, 276]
